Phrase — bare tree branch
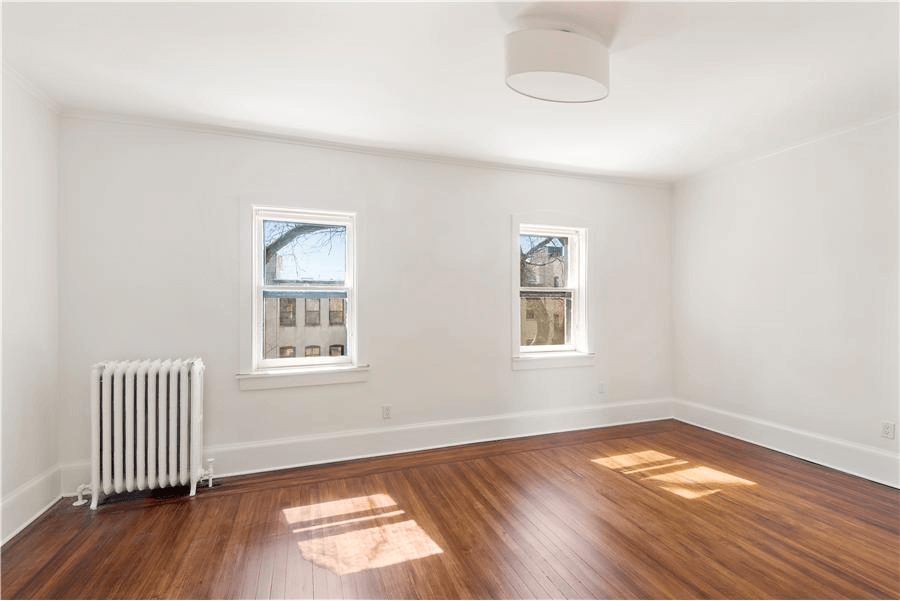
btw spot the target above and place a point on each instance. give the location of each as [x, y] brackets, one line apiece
[536, 247]
[526, 257]
[291, 234]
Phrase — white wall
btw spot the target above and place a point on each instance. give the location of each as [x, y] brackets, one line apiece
[30, 312]
[785, 299]
[150, 267]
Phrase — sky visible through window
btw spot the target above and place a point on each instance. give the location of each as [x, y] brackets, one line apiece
[307, 252]
[528, 242]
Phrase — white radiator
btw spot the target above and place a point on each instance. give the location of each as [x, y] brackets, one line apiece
[146, 425]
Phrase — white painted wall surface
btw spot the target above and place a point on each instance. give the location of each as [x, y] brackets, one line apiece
[30, 304]
[150, 267]
[785, 295]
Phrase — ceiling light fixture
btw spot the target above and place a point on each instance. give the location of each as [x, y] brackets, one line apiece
[557, 65]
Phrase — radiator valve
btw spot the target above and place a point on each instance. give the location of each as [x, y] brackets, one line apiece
[82, 489]
[209, 470]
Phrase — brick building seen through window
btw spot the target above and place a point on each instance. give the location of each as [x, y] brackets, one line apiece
[314, 334]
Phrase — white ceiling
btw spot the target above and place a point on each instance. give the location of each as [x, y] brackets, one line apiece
[693, 85]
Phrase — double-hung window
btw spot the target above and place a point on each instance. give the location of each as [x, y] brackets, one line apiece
[550, 303]
[303, 267]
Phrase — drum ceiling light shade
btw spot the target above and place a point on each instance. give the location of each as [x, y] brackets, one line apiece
[555, 65]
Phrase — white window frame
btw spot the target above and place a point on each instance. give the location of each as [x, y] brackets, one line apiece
[298, 363]
[577, 351]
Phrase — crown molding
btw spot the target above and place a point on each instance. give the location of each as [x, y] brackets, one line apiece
[288, 137]
[9, 73]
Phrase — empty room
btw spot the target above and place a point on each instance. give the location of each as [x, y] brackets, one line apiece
[493, 300]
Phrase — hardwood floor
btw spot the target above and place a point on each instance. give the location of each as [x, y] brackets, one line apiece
[656, 510]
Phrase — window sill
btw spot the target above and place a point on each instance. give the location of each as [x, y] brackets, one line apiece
[306, 376]
[550, 360]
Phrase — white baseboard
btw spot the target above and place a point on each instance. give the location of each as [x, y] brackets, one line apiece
[285, 453]
[865, 461]
[27, 502]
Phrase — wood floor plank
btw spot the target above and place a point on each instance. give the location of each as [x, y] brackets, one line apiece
[503, 494]
[42, 544]
[473, 528]
[554, 530]
[587, 533]
[448, 579]
[500, 533]
[357, 584]
[72, 574]
[239, 554]
[282, 538]
[326, 582]
[744, 511]
[656, 510]
[298, 583]
[206, 554]
[410, 574]
[665, 531]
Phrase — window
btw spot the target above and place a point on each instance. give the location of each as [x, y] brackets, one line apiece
[312, 312]
[550, 295]
[336, 312]
[287, 312]
[303, 261]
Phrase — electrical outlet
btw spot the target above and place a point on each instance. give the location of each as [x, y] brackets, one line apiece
[385, 412]
[888, 429]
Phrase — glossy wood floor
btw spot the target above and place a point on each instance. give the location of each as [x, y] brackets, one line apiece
[654, 510]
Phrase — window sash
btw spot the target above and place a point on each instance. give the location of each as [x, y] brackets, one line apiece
[539, 270]
[568, 293]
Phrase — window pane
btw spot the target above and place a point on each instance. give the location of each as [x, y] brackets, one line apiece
[546, 318]
[313, 312]
[308, 253]
[280, 340]
[336, 312]
[543, 261]
[287, 311]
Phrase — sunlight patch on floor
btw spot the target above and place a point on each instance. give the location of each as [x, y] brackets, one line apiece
[369, 548]
[689, 483]
[617, 462]
[318, 511]
[698, 482]
[358, 533]
[366, 518]
[653, 467]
